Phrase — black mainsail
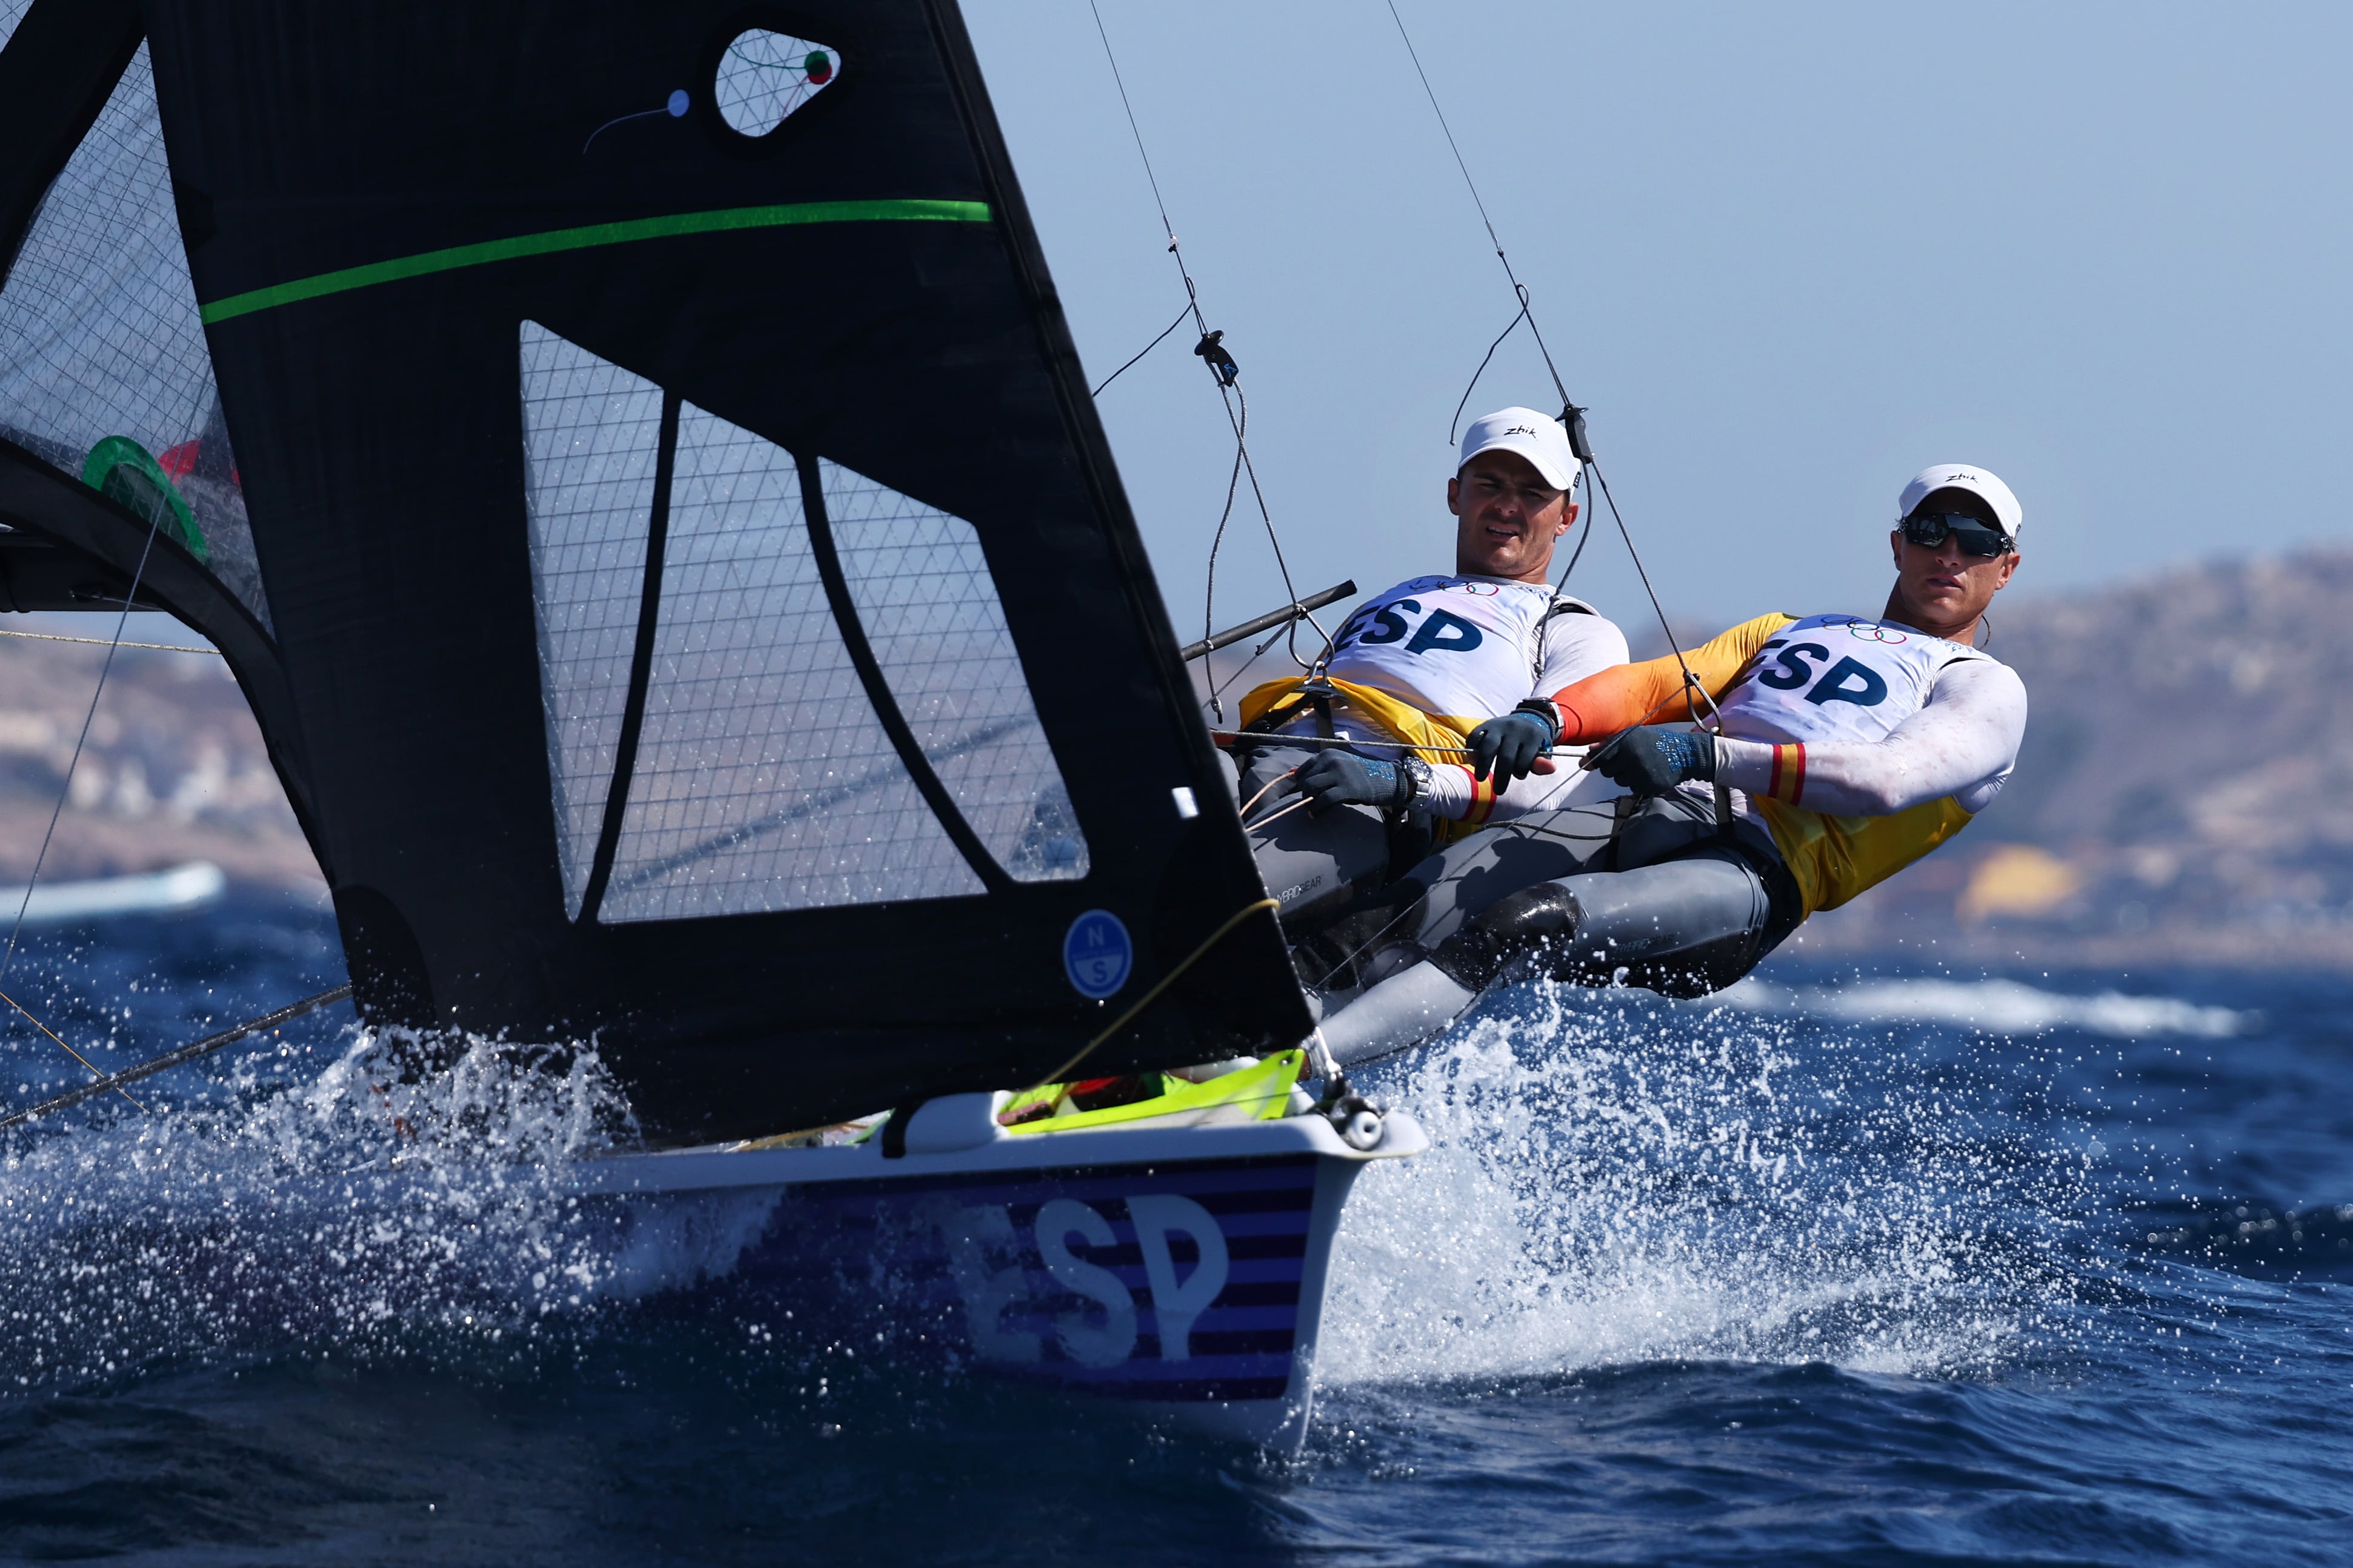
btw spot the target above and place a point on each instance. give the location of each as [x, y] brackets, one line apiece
[633, 458]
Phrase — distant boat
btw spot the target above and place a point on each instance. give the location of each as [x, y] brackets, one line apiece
[188, 886]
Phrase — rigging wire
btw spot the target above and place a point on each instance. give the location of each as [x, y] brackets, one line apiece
[122, 623]
[1519, 291]
[104, 1081]
[173, 1059]
[1570, 413]
[103, 642]
[1224, 372]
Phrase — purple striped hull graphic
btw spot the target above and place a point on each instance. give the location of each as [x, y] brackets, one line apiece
[1179, 1281]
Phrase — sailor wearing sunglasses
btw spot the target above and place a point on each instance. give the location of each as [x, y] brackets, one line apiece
[1833, 752]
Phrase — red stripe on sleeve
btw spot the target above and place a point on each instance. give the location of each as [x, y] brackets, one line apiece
[1483, 799]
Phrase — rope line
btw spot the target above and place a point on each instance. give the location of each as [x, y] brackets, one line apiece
[1519, 291]
[1251, 803]
[1464, 401]
[1274, 738]
[1691, 682]
[104, 1081]
[173, 1059]
[1516, 824]
[154, 524]
[1222, 687]
[1230, 392]
[122, 621]
[103, 642]
[1527, 313]
[1146, 349]
[1061, 1074]
[1277, 813]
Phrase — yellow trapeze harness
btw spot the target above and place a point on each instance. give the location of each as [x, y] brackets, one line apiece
[1832, 858]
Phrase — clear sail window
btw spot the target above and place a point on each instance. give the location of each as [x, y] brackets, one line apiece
[764, 78]
[592, 443]
[929, 610]
[103, 367]
[763, 780]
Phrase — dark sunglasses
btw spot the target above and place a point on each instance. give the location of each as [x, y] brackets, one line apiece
[1928, 530]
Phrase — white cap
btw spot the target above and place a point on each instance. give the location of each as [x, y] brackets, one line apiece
[1536, 436]
[1978, 482]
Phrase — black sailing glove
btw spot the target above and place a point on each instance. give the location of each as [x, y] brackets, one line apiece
[1342, 778]
[1510, 745]
[1651, 759]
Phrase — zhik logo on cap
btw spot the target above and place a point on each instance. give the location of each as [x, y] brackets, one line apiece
[2007, 512]
[1534, 435]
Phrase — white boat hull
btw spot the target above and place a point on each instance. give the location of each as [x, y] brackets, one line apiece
[1179, 1270]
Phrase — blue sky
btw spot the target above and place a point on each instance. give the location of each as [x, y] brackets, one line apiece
[1787, 255]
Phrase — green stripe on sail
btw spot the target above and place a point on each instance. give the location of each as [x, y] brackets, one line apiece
[892, 210]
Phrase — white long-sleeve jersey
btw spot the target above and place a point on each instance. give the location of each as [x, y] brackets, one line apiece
[1466, 649]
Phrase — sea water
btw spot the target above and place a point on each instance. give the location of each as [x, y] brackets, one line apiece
[1839, 1267]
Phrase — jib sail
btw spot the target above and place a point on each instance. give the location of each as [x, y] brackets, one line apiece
[682, 573]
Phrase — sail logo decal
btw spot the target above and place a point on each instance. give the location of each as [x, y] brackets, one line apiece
[1097, 954]
[763, 78]
[1097, 1325]
[914, 209]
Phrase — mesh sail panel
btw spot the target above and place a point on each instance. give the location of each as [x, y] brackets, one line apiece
[11, 13]
[931, 611]
[764, 77]
[100, 336]
[592, 439]
[763, 780]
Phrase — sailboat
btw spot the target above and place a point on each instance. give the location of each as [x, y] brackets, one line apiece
[634, 462]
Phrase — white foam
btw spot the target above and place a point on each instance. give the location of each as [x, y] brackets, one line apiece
[1993, 1006]
[1617, 1180]
[351, 1206]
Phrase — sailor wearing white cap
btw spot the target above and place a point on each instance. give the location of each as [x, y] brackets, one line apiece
[1939, 490]
[1836, 752]
[1435, 668]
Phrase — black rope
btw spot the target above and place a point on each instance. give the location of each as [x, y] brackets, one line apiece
[1147, 348]
[1219, 363]
[1464, 401]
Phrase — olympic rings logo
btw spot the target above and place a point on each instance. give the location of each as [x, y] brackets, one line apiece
[1864, 631]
